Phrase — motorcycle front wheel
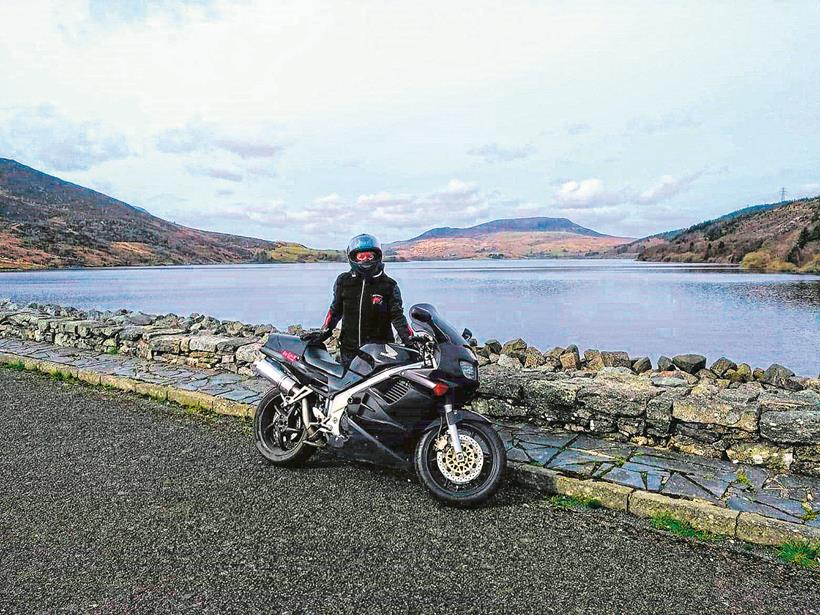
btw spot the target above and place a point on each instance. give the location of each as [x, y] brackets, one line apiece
[461, 480]
[279, 434]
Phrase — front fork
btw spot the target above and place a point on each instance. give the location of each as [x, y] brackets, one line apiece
[452, 427]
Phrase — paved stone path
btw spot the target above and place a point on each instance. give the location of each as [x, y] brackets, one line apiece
[786, 497]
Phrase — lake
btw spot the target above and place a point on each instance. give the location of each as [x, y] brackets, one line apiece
[643, 308]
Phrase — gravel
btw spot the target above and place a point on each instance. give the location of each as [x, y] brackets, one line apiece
[114, 504]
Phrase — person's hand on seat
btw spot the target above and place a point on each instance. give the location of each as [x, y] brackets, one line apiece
[315, 337]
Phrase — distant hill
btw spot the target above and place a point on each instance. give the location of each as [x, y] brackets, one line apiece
[775, 236]
[46, 222]
[507, 238]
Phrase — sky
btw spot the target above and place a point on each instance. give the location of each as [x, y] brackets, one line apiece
[313, 121]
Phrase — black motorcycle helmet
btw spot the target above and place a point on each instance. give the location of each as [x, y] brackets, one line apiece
[365, 243]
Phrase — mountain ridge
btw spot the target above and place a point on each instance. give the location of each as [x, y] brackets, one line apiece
[529, 224]
[532, 237]
[773, 236]
[48, 222]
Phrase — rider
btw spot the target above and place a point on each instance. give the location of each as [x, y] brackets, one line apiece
[367, 302]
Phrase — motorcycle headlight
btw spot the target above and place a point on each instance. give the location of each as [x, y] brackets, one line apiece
[468, 369]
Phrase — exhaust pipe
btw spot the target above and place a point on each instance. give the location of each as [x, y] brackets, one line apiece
[276, 375]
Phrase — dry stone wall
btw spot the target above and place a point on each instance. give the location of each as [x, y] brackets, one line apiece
[726, 410]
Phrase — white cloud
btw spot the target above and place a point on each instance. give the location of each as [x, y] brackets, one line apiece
[586, 193]
[44, 137]
[591, 193]
[665, 188]
[493, 152]
[196, 136]
[215, 172]
[459, 202]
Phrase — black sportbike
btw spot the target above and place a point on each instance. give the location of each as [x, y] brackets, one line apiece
[395, 405]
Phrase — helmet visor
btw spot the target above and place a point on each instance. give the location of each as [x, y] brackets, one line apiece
[366, 257]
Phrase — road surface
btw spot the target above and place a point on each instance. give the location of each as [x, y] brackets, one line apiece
[114, 504]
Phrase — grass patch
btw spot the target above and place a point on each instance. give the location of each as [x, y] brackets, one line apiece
[18, 366]
[742, 479]
[668, 522]
[63, 377]
[803, 554]
[619, 461]
[112, 350]
[572, 501]
[809, 515]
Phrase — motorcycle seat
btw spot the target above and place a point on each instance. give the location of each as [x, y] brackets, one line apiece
[321, 359]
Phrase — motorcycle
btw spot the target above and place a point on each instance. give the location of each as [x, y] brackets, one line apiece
[394, 405]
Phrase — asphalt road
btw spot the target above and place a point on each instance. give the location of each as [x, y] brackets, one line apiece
[113, 504]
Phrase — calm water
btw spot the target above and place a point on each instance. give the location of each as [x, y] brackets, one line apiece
[643, 308]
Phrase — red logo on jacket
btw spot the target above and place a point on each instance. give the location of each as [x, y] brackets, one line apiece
[377, 299]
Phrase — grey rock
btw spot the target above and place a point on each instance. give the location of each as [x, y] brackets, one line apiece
[641, 365]
[690, 363]
[777, 375]
[570, 359]
[509, 362]
[493, 346]
[798, 426]
[711, 410]
[512, 346]
[665, 364]
[720, 366]
[616, 358]
[668, 381]
[533, 358]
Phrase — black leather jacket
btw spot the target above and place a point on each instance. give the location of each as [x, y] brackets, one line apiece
[367, 309]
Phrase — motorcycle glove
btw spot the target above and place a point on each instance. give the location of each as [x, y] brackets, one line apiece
[316, 337]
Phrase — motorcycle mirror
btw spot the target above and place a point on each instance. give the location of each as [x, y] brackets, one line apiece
[421, 314]
[466, 334]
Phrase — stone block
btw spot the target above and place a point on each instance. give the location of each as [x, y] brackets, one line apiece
[516, 345]
[89, 377]
[720, 366]
[249, 353]
[493, 346]
[555, 353]
[549, 481]
[118, 382]
[616, 358]
[798, 426]
[498, 408]
[641, 365]
[533, 358]
[699, 514]
[761, 454]
[233, 408]
[777, 375]
[617, 394]
[712, 410]
[193, 399]
[689, 363]
[593, 359]
[167, 343]
[509, 362]
[149, 389]
[761, 530]
[570, 360]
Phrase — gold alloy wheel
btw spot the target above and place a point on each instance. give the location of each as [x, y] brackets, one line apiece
[461, 468]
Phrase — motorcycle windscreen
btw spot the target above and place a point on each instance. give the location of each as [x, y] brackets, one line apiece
[426, 318]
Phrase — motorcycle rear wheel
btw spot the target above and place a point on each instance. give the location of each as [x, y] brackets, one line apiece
[466, 481]
[280, 440]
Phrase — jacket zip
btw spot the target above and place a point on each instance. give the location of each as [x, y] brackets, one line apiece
[361, 301]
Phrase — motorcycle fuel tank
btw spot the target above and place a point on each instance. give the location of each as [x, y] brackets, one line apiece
[375, 357]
